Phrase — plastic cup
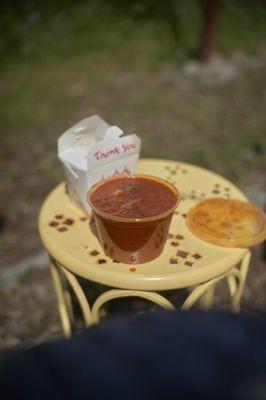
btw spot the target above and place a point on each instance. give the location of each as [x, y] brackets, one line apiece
[133, 240]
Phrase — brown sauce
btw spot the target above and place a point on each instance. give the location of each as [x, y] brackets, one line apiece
[133, 197]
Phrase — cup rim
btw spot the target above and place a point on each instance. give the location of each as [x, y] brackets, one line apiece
[134, 220]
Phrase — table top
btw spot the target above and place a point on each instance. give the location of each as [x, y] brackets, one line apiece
[70, 237]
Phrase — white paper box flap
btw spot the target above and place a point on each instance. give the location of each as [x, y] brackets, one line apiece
[73, 145]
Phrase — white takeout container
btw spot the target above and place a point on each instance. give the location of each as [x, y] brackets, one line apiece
[92, 151]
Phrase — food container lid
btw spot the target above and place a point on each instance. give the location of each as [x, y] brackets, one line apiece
[227, 222]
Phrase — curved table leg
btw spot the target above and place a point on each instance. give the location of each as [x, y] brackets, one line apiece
[62, 304]
[232, 284]
[207, 289]
[117, 293]
[236, 279]
[238, 292]
[83, 302]
[69, 305]
[206, 299]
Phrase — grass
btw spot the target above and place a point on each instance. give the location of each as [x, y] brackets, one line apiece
[45, 32]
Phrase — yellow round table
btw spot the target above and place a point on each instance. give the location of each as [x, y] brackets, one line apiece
[71, 240]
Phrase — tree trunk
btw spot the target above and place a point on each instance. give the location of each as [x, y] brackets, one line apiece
[209, 29]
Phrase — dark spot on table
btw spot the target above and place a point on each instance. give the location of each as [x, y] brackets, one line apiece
[216, 191]
[53, 224]
[62, 229]
[227, 189]
[176, 212]
[173, 260]
[184, 215]
[217, 185]
[59, 216]
[101, 261]
[182, 254]
[196, 256]
[132, 269]
[116, 261]
[83, 219]
[179, 237]
[170, 236]
[68, 221]
[193, 197]
[173, 172]
[184, 171]
[189, 263]
[174, 244]
[94, 253]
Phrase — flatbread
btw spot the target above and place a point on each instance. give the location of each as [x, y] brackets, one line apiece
[227, 222]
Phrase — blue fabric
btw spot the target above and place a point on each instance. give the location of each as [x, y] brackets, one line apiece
[162, 355]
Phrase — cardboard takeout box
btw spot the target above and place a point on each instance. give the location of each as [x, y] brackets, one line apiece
[92, 151]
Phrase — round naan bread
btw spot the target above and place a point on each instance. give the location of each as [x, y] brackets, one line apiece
[227, 222]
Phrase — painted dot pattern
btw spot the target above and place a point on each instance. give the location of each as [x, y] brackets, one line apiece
[68, 221]
[53, 224]
[221, 191]
[61, 223]
[174, 244]
[182, 254]
[196, 256]
[62, 229]
[189, 263]
[173, 260]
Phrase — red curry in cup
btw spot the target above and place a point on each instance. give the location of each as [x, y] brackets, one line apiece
[133, 215]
